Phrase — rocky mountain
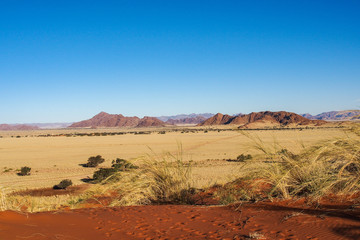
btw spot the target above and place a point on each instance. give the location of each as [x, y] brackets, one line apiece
[104, 119]
[15, 127]
[182, 117]
[345, 115]
[150, 122]
[261, 119]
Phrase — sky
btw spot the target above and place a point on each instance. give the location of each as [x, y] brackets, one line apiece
[65, 61]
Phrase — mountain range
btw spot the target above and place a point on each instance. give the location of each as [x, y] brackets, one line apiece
[254, 119]
[183, 119]
[346, 115]
[261, 119]
[104, 119]
[16, 127]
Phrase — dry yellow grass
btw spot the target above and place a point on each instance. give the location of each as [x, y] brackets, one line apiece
[56, 158]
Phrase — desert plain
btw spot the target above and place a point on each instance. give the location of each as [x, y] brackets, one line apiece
[53, 158]
[54, 155]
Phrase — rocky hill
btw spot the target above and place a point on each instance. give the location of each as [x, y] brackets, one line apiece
[346, 115]
[104, 119]
[261, 119]
[16, 127]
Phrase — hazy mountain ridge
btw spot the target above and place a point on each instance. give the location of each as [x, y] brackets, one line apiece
[345, 115]
[15, 127]
[185, 116]
[50, 125]
[188, 120]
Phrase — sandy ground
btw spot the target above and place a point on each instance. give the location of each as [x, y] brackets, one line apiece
[282, 220]
[55, 158]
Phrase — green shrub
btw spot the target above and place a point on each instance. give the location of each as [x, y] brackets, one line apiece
[94, 161]
[122, 165]
[104, 173]
[63, 184]
[7, 169]
[240, 158]
[243, 157]
[24, 171]
[118, 165]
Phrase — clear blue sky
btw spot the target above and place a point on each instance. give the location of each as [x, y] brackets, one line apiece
[68, 60]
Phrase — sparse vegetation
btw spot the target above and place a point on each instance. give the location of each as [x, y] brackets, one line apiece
[122, 165]
[328, 168]
[7, 169]
[162, 179]
[24, 171]
[94, 161]
[63, 184]
[118, 165]
[241, 158]
[103, 174]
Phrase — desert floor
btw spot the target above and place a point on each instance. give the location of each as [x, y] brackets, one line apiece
[58, 157]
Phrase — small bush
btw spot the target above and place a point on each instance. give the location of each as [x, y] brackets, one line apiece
[24, 171]
[122, 165]
[63, 184]
[104, 173]
[243, 157]
[7, 169]
[240, 158]
[94, 161]
[118, 165]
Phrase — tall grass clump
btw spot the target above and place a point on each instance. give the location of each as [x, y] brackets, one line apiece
[164, 178]
[331, 167]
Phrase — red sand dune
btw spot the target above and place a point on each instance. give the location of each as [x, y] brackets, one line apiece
[265, 220]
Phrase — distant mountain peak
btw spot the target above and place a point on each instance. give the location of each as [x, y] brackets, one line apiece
[344, 115]
[15, 127]
[181, 119]
[280, 118]
[104, 119]
[102, 114]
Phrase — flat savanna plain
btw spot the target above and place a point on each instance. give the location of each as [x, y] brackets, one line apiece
[54, 158]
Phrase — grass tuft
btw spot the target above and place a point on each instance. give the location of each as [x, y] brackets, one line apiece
[164, 178]
[332, 167]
